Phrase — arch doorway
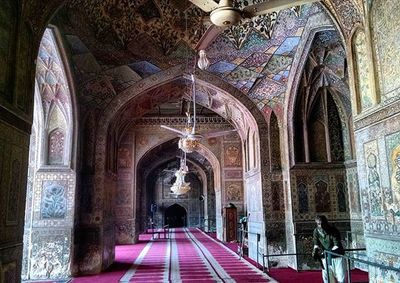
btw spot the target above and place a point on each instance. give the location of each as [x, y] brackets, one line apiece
[175, 216]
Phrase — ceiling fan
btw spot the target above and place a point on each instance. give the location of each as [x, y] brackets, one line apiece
[223, 14]
[190, 139]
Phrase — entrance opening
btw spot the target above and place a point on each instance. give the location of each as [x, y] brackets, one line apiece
[175, 216]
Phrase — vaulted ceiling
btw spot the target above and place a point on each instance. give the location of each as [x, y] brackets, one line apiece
[114, 44]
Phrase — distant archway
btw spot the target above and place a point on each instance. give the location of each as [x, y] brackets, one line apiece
[175, 216]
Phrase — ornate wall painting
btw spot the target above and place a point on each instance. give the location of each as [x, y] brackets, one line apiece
[362, 69]
[124, 157]
[276, 196]
[373, 178]
[322, 197]
[233, 191]
[385, 28]
[354, 193]
[302, 194]
[54, 201]
[56, 147]
[212, 141]
[275, 143]
[392, 197]
[123, 195]
[232, 155]
[341, 194]
[341, 197]
[336, 131]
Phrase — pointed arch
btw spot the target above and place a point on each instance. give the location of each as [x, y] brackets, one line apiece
[53, 173]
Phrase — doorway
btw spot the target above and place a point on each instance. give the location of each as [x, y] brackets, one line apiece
[175, 216]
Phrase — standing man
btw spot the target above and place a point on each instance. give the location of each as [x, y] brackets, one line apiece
[327, 237]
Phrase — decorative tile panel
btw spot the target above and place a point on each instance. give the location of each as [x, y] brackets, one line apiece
[371, 156]
[362, 70]
[386, 42]
[54, 199]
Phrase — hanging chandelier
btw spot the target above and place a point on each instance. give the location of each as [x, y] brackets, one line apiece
[180, 187]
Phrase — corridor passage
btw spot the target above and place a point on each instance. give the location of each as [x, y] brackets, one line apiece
[189, 255]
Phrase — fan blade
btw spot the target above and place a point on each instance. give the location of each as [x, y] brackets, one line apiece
[205, 5]
[209, 36]
[272, 6]
[217, 134]
[174, 130]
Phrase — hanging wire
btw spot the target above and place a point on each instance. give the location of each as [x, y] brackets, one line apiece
[187, 68]
[194, 103]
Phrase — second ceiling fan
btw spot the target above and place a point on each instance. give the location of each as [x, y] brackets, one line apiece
[189, 138]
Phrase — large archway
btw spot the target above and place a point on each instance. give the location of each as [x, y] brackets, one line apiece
[230, 104]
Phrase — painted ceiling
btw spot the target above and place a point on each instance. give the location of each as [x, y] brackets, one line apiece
[114, 44]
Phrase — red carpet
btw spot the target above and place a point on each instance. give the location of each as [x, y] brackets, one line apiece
[239, 270]
[124, 256]
[191, 265]
[290, 275]
[192, 256]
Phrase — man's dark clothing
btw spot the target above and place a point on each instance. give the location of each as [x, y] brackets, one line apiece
[327, 238]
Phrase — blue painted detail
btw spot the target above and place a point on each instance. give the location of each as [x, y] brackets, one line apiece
[288, 46]
[144, 68]
[54, 203]
[222, 67]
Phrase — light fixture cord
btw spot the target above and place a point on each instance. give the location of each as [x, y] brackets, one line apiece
[194, 103]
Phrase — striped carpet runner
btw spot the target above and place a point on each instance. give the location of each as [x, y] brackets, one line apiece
[152, 264]
[190, 256]
[226, 262]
